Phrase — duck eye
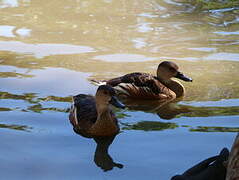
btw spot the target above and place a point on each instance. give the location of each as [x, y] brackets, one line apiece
[172, 69]
[105, 92]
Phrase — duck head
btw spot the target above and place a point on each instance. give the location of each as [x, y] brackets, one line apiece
[105, 95]
[167, 70]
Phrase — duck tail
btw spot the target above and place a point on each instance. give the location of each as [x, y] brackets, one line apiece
[97, 83]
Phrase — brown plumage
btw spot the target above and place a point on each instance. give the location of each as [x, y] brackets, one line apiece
[146, 86]
[233, 162]
[92, 116]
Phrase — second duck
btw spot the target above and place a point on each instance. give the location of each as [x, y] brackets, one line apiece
[146, 86]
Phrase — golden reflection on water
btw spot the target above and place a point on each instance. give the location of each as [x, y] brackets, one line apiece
[15, 127]
[100, 38]
[152, 28]
[108, 38]
[50, 49]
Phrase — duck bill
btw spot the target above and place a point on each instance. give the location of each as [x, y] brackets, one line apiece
[115, 102]
[181, 76]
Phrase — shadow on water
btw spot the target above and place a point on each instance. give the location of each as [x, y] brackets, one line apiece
[170, 110]
[149, 126]
[164, 110]
[160, 126]
[5, 109]
[214, 129]
[16, 127]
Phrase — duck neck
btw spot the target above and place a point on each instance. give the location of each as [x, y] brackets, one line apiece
[105, 124]
[104, 120]
[103, 112]
[174, 85]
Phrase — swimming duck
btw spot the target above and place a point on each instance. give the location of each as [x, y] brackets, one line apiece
[92, 116]
[233, 161]
[146, 86]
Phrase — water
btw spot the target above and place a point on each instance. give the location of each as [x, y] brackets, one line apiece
[50, 50]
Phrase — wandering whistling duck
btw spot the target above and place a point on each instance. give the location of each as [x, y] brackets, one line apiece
[92, 116]
[146, 86]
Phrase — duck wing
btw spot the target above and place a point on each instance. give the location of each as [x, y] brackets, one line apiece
[141, 85]
[83, 110]
[138, 79]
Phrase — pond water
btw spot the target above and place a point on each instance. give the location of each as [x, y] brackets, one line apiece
[50, 49]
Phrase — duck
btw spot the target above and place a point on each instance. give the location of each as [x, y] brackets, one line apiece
[92, 116]
[212, 168]
[140, 85]
[233, 161]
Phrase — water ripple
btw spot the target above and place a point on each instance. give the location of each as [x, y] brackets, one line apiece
[41, 50]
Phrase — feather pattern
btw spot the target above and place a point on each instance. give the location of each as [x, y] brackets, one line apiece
[141, 85]
[146, 86]
[83, 116]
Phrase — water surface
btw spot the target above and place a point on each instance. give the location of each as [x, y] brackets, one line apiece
[50, 49]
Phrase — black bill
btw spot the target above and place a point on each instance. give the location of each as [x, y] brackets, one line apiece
[115, 102]
[183, 77]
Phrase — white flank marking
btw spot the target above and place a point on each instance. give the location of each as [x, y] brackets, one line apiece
[75, 112]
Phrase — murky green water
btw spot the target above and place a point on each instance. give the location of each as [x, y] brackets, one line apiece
[50, 49]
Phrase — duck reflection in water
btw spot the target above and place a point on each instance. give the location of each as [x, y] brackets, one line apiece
[92, 117]
[102, 158]
[165, 109]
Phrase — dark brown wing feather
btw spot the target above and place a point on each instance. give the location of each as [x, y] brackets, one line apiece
[139, 80]
[86, 107]
[135, 77]
[128, 78]
[83, 113]
[142, 85]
